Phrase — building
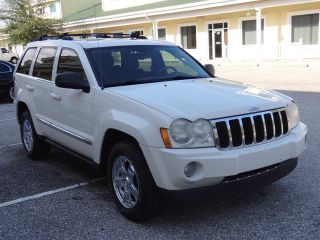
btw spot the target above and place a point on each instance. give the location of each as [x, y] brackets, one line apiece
[211, 30]
[49, 9]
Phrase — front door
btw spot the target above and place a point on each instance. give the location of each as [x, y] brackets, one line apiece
[218, 43]
[218, 40]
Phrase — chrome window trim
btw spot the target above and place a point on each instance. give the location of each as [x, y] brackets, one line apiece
[62, 130]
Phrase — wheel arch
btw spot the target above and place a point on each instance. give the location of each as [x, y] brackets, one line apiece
[21, 107]
[111, 137]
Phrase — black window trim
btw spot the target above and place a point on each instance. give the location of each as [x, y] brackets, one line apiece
[34, 64]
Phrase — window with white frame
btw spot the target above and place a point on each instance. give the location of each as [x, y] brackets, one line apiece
[189, 37]
[305, 28]
[162, 34]
[249, 32]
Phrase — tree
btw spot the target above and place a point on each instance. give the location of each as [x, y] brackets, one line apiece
[23, 24]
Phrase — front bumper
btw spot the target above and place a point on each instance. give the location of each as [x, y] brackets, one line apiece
[240, 183]
[213, 165]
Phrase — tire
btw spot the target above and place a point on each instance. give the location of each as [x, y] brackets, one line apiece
[10, 94]
[35, 148]
[134, 190]
[14, 60]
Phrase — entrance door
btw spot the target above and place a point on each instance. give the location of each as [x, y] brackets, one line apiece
[218, 43]
[218, 40]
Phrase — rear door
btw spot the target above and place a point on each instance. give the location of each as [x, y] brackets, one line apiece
[72, 114]
[42, 86]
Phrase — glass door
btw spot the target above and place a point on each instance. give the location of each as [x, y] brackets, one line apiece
[218, 40]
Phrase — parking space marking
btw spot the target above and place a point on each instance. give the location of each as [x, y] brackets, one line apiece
[10, 145]
[7, 119]
[40, 195]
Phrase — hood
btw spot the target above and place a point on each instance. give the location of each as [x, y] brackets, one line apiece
[203, 98]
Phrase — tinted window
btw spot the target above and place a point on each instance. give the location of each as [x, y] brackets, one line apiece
[25, 64]
[4, 68]
[249, 34]
[124, 65]
[70, 62]
[306, 28]
[189, 37]
[44, 63]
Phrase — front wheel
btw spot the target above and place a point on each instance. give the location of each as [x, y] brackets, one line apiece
[133, 187]
[33, 145]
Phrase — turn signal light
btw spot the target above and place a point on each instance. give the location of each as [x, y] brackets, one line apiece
[165, 137]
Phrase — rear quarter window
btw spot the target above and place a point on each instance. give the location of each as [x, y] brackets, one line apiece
[26, 61]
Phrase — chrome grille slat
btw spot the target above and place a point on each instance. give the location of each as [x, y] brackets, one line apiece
[242, 131]
[230, 136]
[264, 127]
[281, 123]
[254, 130]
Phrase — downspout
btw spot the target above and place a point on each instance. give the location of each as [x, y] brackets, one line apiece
[154, 26]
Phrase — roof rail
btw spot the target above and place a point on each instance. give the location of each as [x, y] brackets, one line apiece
[67, 36]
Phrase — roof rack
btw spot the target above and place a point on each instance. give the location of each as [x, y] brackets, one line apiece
[67, 36]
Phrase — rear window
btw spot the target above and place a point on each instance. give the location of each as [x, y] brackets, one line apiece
[44, 64]
[25, 64]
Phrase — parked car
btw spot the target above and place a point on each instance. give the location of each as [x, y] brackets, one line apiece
[6, 80]
[6, 55]
[157, 122]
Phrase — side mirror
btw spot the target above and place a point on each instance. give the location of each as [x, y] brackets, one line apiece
[210, 69]
[72, 80]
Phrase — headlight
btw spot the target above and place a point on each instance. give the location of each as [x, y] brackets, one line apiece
[186, 134]
[293, 115]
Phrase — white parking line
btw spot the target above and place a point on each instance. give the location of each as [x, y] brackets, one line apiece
[8, 119]
[10, 145]
[40, 195]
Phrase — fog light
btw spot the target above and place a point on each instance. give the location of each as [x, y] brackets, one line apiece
[190, 169]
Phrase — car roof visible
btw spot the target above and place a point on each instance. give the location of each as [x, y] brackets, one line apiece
[94, 43]
[7, 63]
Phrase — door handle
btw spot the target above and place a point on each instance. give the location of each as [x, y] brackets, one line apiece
[55, 96]
[30, 88]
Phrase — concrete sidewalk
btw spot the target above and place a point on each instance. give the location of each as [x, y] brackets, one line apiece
[293, 76]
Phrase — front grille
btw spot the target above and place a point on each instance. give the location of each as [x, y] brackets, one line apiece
[250, 129]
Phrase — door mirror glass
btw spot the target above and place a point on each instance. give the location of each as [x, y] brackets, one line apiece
[210, 69]
[72, 80]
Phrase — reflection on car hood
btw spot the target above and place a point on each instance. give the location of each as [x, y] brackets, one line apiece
[203, 98]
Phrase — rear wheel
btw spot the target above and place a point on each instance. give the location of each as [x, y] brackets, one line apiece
[36, 148]
[134, 190]
[10, 93]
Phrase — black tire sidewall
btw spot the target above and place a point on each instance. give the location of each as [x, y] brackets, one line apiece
[148, 199]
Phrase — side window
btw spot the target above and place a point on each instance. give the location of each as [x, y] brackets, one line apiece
[44, 63]
[70, 62]
[4, 68]
[25, 64]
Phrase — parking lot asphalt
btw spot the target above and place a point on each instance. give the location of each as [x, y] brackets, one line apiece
[287, 209]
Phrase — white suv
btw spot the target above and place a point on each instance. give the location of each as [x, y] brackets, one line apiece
[156, 121]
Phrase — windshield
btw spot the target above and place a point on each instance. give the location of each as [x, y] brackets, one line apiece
[127, 65]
